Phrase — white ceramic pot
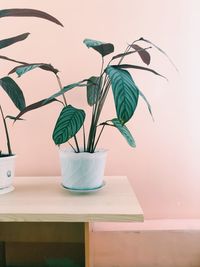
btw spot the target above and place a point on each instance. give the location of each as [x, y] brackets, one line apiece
[7, 171]
[82, 170]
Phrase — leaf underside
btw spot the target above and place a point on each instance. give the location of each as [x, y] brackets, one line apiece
[26, 12]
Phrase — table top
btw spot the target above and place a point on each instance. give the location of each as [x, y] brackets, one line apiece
[42, 199]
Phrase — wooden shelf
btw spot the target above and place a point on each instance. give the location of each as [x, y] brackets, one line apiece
[42, 199]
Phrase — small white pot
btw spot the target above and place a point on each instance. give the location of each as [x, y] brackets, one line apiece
[82, 170]
[7, 171]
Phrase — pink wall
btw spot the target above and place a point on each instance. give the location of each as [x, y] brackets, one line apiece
[164, 168]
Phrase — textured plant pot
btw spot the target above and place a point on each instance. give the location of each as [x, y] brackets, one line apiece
[82, 170]
[7, 171]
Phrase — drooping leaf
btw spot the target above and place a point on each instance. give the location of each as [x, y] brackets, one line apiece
[9, 41]
[145, 56]
[13, 91]
[68, 124]
[26, 12]
[159, 49]
[65, 89]
[147, 102]
[22, 69]
[13, 118]
[35, 105]
[129, 53]
[124, 131]
[128, 66]
[93, 88]
[125, 93]
[103, 48]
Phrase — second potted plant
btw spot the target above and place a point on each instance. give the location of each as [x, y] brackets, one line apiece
[82, 166]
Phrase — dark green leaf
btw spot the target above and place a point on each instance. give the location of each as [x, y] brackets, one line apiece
[124, 131]
[93, 88]
[128, 66]
[145, 56]
[147, 102]
[13, 118]
[159, 49]
[13, 91]
[22, 69]
[35, 105]
[125, 93]
[68, 124]
[103, 48]
[9, 41]
[26, 12]
[65, 89]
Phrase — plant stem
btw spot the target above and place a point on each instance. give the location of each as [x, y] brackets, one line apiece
[72, 146]
[99, 136]
[84, 139]
[76, 142]
[6, 131]
[61, 87]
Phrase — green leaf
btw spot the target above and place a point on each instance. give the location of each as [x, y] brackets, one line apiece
[65, 89]
[13, 91]
[68, 124]
[27, 12]
[128, 66]
[125, 93]
[103, 48]
[124, 131]
[147, 102]
[36, 105]
[22, 69]
[93, 88]
[9, 41]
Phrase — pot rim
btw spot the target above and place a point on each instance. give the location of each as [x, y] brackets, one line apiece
[70, 152]
[7, 157]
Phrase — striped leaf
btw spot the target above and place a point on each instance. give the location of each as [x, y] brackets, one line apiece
[13, 91]
[9, 41]
[93, 87]
[125, 93]
[68, 124]
[124, 131]
[103, 48]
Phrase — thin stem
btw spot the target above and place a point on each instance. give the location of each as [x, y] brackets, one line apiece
[72, 146]
[84, 139]
[99, 136]
[76, 142]
[61, 87]
[6, 131]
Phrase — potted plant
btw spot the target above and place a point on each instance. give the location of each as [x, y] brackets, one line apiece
[14, 92]
[82, 165]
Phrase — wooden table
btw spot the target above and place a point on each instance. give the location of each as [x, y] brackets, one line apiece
[40, 210]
